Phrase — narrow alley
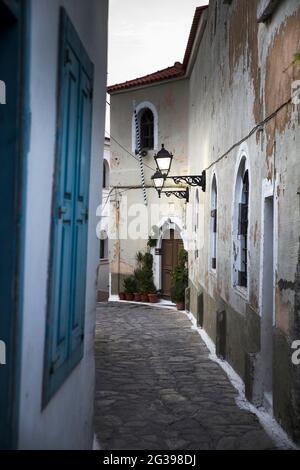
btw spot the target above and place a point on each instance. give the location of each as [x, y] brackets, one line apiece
[157, 388]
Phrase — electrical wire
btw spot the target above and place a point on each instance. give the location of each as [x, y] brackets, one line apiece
[255, 129]
[127, 151]
[106, 201]
[237, 144]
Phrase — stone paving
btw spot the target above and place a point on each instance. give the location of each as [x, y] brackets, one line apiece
[156, 387]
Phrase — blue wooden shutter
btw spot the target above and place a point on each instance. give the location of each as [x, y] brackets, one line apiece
[81, 211]
[65, 332]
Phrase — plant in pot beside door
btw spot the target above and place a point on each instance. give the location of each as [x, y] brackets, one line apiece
[130, 288]
[143, 284]
[179, 281]
[152, 293]
[138, 276]
[149, 286]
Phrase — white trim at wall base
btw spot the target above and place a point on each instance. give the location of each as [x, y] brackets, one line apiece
[270, 425]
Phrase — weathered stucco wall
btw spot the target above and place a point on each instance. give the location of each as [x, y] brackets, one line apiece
[242, 74]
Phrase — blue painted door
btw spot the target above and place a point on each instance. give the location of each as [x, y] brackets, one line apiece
[65, 329]
[14, 46]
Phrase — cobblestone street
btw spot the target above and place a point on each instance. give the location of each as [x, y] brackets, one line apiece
[156, 387]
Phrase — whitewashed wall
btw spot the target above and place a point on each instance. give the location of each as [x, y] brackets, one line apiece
[103, 268]
[67, 420]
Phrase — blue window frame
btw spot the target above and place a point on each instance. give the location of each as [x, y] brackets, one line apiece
[14, 137]
[67, 280]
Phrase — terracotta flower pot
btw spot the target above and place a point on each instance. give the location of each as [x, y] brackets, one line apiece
[144, 298]
[122, 295]
[129, 297]
[180, 305]
[153, 298]
[137, 297]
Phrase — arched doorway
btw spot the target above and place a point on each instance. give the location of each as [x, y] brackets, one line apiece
[170, 248]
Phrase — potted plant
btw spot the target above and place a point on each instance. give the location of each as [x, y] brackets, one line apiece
[130, 288]
[143, 275]
[152, 294]
[138, 276]
[179, 281]
[122, 296]
[149, 286]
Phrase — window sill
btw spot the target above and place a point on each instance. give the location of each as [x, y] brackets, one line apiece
[242, 292]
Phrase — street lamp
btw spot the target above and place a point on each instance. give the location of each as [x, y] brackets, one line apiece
[163, 161]
[159, 181]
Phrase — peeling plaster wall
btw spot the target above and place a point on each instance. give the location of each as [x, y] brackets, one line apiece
[171, 103]
[242, 74]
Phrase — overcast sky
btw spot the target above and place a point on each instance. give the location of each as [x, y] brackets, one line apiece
[146, 36]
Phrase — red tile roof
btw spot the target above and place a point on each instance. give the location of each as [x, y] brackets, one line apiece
[175, 71]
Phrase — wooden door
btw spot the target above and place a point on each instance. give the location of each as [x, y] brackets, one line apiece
[170, 250]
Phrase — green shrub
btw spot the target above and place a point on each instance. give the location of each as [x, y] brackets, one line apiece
[179, 278]
[143, 274]
[139, 258]
[152, 242]
[130, 285]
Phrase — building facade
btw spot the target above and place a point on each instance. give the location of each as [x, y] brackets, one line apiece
[52, 127]
[228, 109]
[103, 227]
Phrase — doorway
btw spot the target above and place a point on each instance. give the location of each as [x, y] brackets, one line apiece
[171, 246]
[267, 303]
[14, 120]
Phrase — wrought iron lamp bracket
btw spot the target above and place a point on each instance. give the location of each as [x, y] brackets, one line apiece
[180, 194]
[191, 180]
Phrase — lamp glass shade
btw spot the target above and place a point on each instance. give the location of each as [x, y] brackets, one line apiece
[163, 161]
[158, 180]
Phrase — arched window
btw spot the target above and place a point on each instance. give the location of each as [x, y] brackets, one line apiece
[147, 129]
[105, 180]
[240, 226]
[145, 118]
[243, 231]
[214, 223]
[104, 246]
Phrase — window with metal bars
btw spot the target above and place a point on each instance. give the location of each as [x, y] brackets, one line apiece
[104, 249]
[214, 223]
[147, 129]
[105, 179]
[243, 232]
[196, 223]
